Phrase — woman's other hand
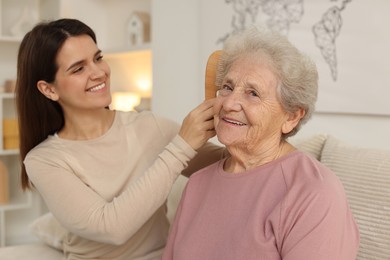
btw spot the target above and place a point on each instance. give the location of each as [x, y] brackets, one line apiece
[198, 125]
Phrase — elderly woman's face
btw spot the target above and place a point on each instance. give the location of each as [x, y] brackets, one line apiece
[248, 113]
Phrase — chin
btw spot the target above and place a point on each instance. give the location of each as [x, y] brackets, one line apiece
[108, 101]
[225, 141]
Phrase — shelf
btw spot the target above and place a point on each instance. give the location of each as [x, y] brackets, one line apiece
[10, 39]
[15, 204]
[8, 152]
[119, 51]
[7, 95]
[133, 71]
[21, 202]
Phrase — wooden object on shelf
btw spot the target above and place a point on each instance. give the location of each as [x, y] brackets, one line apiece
[10, 85]
[138, 29]
[10, 134]
[211, 74]
[4, 190]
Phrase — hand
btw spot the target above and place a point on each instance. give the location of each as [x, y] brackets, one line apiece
[198, 125]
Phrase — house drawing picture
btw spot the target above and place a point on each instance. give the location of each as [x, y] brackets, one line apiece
[138, 29]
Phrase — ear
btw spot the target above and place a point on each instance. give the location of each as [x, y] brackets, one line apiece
[47, 90]
[292, 121]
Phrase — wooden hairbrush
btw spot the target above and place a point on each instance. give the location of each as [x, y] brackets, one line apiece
[211, 74]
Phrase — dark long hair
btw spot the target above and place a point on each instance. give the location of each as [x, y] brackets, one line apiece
[39, 116]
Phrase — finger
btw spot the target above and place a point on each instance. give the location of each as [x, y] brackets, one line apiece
[211, 134]
[205, 105]
[208, 125]
[206, 114]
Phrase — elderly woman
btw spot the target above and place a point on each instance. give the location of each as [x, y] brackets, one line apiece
[268, 200]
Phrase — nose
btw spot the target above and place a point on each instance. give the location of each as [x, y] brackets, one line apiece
[232, 102]
[97, 72]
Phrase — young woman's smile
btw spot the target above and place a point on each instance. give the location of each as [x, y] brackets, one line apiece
[83, 77]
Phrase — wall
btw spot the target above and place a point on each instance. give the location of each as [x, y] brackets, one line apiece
[178, 76]
[360, 130]
[177, 81]
[107, 18]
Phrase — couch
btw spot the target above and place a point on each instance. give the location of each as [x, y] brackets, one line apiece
[364, 172]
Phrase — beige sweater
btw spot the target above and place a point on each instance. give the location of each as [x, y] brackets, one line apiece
[110, 192]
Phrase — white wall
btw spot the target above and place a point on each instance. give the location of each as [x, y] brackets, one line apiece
[87, 11]
[177, 86]
[359, 130]
[178, 77]
[107, 18]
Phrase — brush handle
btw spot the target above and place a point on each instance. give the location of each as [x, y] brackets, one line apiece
[211, 73]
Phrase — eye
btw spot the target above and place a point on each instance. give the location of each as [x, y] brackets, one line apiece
[78, 69]
[99, 58]
[253, 93]
[224, 90]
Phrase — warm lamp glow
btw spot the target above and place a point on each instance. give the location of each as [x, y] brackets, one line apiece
[125, 101]
[144, 84]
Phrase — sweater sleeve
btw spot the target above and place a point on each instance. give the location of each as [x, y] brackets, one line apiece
[206, 155]
[84, 212]
[319, 225]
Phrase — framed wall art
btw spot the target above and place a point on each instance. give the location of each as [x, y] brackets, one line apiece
[348, 39]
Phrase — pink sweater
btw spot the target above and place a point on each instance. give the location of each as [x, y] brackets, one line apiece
[293, 208]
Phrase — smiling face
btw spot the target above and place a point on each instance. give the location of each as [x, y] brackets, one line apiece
[249, 118]
[82, 80]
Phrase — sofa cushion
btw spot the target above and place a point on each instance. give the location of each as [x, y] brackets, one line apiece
[365, 174]
[312, 145]
[49, 230]
[175, 196]
[33, 251]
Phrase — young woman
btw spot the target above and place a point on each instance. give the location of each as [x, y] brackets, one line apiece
[104, 174]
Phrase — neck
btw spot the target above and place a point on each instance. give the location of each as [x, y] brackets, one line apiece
[243, 161]
[86, 126]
